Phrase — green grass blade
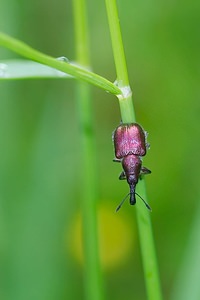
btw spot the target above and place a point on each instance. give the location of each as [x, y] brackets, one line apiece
[92, 271]
[118, 49]
[128, 116]
[66, 67]
[26, 69]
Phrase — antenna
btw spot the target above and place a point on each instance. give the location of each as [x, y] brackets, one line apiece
[122, 202]
[146, 204]
[120, 205]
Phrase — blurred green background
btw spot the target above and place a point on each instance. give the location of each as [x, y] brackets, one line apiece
[40, 153]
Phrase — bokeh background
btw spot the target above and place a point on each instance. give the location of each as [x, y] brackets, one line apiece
[40, 194]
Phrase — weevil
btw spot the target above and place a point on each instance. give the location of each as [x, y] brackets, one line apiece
[130, 143]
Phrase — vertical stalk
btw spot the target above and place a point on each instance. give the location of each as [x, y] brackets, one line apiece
[118, 49]
[128, 116]
[88, 183]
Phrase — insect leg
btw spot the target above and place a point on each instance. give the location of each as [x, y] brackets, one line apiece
[144, 171]
[122, 175]
[117, 160]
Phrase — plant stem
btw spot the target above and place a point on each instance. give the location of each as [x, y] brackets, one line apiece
[148, 252]
[77, 72]
[125, 101]
[128, 116]
[116, 37]
[92, 271]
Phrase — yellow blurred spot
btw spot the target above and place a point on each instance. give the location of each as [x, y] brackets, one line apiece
[116, 236]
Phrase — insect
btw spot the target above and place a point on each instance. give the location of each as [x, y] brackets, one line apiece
[130, 143]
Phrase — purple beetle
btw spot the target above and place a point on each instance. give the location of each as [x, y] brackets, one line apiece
[130, 144]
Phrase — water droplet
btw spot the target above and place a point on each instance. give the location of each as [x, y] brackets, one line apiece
[3, 70]
[63, 58]
[60, 73]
